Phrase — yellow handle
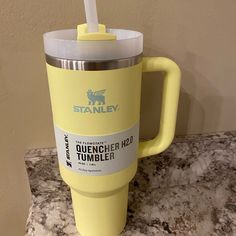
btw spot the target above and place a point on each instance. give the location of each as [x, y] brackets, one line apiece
[169, 108]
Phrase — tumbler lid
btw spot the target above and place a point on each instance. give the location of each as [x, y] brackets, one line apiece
[64, 44]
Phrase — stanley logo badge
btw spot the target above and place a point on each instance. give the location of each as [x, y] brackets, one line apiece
[97, 96]
[96, 103]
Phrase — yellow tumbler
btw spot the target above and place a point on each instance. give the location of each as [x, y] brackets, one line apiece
[95, 89]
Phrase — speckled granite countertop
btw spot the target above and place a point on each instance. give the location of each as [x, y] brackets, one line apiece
[190, 189]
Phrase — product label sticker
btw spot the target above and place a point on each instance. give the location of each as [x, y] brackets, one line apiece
[97, 155]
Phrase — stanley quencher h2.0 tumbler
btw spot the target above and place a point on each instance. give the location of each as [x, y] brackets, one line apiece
[95, 88]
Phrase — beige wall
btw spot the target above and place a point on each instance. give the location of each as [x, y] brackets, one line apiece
[199, 35]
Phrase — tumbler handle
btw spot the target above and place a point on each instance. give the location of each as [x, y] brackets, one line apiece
[170, 98]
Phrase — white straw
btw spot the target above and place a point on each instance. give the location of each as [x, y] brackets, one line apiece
[91, 15]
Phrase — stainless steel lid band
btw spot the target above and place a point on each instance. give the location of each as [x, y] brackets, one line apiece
[93, 65]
